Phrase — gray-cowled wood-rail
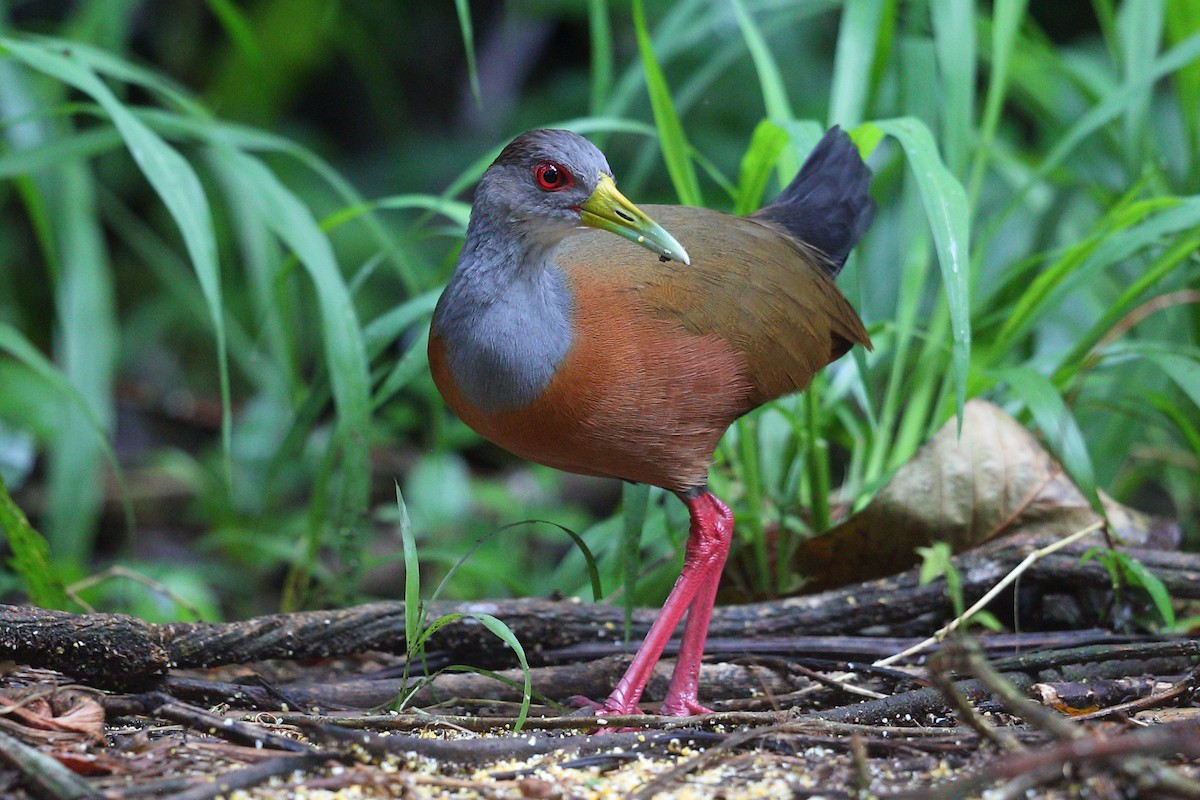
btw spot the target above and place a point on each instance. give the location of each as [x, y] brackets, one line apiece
[579, 349]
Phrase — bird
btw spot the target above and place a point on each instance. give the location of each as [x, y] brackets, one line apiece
[576, 348]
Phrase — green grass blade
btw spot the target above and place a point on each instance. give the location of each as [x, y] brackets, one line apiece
[857, 37]
[414, 362]
[1106, 18]
[946, 209]
[87, 350]
[1180, 253]
[1113, 105]
[636, 498]
[675, 148]
[954, 44]
[757, 162]
[457, 212]
[390, 325]
[585, 551]
[774, 92]
[17, 346]
[177, 186]
[53, 152]
[237, 28]
[1179, 363]
[502, 632]
[906, 373]
[1006, 21]
[600, 38]
[345, 353]
[463, 9]
[1122, 234]
[1183, 21]
[505, 634]
[227, 135]
[1140, 27]
[260, 255]
[412, 574]
[113, 66]
[1058, 425]
[30, 556]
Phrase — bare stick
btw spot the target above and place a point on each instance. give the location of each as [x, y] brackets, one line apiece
[991, 594]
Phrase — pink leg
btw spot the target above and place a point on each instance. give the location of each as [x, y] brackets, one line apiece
[708, 545]
[717, 520]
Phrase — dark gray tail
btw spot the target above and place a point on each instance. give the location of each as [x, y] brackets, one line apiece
[827, 205]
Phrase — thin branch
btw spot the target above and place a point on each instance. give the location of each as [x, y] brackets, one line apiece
[991, 594]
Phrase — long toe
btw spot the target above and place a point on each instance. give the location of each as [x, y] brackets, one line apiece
[683, 706]
[609, 706]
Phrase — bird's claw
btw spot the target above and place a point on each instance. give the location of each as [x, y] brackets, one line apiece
[683, 707]
[608, 708]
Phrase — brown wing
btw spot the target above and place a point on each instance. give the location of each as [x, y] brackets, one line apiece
[749, 283]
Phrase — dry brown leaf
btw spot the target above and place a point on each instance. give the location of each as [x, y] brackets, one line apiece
[996, 479]
[51, 715]
[90, 764]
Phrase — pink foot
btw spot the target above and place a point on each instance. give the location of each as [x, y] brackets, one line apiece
[683, 706]
[689, 708]
[609, 706]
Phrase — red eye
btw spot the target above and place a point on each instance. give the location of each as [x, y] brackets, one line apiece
[552, 177]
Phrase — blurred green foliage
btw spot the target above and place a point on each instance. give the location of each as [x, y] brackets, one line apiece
[223, 229]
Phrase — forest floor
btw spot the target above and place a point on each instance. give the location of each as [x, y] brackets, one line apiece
[107, 706]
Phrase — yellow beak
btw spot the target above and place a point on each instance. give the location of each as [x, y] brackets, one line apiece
[609, 210]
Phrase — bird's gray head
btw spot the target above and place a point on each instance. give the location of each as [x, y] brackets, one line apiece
[546, 183]
[540, 181]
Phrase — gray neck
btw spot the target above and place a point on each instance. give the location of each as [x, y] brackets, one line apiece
[505, 317]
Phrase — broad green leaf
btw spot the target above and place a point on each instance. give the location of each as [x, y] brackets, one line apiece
[935, 560]
[1138, 575]
[1123, 567]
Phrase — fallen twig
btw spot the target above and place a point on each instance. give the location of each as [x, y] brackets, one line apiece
[991, 594]
[42, 774]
